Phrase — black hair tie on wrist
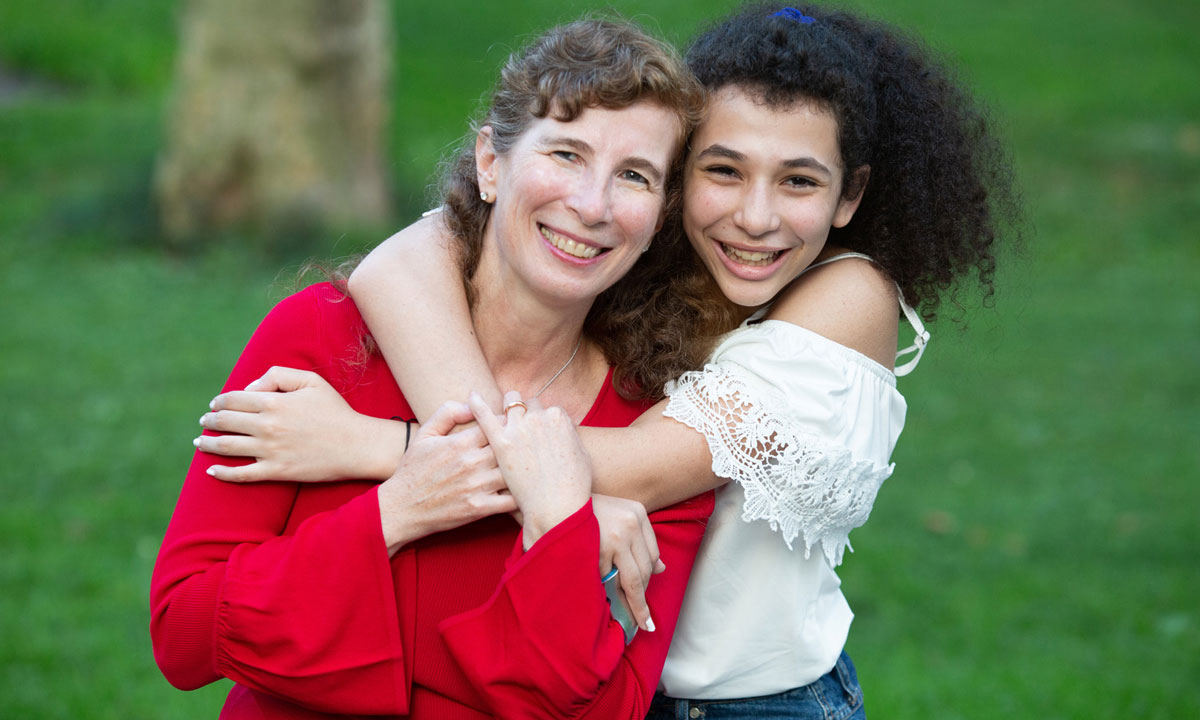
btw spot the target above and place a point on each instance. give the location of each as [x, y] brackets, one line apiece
[408, 424]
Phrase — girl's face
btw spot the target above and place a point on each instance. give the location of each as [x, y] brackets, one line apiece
[762, 188]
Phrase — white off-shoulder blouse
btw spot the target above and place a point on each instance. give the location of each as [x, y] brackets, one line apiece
[805, 428]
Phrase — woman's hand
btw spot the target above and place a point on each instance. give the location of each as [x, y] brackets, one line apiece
[627, 541]
[444, 481]
[541, 459]
[299, 429]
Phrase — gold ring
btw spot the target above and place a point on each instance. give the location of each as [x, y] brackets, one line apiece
[513, 404]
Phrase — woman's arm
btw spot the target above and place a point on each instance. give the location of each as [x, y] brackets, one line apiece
[545, 645]
[242, 591]
[232, 597]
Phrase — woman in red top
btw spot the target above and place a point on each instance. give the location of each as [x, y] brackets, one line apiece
[422, 596]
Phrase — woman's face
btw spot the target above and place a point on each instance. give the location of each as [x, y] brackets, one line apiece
[577, 202]
[762, 188]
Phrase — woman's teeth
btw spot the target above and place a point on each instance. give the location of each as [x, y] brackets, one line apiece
[750, 258]
[569, 246]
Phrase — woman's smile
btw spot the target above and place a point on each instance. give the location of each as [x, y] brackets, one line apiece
[573, 247]
[577, 201]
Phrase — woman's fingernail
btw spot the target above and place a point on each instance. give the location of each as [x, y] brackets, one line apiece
[649, 624]
[212, 404]
[212, 471]
[196, 442]
[202, 418]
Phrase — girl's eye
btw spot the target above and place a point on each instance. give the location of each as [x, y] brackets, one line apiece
[721, 171]
[797, 181]
[634, 176]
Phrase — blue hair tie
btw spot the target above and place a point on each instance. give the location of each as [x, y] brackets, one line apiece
[794, 14]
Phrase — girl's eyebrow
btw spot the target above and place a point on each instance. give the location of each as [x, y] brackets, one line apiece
[717, 150]
[634, 161]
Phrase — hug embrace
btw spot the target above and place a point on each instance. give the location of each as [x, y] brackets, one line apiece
[653, 328]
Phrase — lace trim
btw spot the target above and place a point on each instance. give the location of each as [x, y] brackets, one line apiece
[801, 483]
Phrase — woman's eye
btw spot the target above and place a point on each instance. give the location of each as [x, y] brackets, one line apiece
[566, 155]
[634, 176]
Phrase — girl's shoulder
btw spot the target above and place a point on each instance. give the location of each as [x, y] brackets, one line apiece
[850, 301]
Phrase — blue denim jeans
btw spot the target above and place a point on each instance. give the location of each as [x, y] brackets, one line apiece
[836, 696]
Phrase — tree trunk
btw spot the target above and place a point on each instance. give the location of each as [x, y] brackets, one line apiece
[277, 118]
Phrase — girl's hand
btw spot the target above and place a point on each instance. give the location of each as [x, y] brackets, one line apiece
[541, 459]
[627, 541]
[444, 481]
[298, 429]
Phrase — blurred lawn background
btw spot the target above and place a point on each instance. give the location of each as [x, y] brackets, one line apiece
[1035, 552]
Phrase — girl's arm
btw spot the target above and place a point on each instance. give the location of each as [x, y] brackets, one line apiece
[408, 291]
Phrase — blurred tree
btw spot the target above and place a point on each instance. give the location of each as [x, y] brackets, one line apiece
[277, 118]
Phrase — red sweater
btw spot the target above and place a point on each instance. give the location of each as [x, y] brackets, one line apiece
[287, 588]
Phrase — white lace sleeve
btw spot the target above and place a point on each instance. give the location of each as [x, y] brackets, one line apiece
[797, 425]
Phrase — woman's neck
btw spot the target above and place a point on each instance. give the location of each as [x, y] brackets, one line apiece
[526, 341]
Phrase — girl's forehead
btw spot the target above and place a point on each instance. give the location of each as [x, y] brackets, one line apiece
[739, 116]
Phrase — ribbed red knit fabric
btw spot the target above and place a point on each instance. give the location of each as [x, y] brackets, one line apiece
[287, 589]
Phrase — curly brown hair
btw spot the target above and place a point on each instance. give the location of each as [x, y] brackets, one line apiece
[940, 191]
[658, 320]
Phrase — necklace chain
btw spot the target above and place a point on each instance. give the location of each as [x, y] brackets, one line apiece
[560, 370]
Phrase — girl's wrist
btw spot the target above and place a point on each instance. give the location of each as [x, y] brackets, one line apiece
[384, 444]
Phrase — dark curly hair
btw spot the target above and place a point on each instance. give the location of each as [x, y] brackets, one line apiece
[658, 320]
[940, 191]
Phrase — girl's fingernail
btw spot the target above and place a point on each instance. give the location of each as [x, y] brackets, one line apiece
[212, 404]
[649, 624]
[202, 418]
[196, 442]
[212, 471]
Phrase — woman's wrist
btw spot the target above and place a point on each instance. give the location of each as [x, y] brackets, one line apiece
[399, 527]
[538, 521]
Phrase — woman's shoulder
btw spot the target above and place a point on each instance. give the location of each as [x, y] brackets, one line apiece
[320, 317]
[850, 302]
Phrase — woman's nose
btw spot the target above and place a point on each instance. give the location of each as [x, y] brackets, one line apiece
[756, 215]
[591, 199]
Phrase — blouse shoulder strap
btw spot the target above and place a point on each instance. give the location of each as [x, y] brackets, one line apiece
[920, 340]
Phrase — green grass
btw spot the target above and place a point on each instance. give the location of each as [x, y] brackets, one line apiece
[1034, 552]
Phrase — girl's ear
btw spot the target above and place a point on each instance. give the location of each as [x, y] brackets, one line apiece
[857, 181]
[485, 161]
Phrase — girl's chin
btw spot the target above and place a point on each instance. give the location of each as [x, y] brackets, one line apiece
[747, 293]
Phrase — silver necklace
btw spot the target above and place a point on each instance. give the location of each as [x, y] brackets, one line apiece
[560, 370]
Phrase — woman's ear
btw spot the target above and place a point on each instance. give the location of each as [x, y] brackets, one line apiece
[856, 183]
[485, 161]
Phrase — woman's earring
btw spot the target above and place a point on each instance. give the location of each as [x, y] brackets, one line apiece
[647, 248]
[483, 195]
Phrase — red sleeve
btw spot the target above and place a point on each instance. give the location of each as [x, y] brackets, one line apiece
[545, 644]
[312, 616]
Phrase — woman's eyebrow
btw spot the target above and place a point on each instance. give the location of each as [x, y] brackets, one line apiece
[635, 162]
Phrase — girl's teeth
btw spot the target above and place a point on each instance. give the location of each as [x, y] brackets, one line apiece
[750, 258]
[569, 246]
